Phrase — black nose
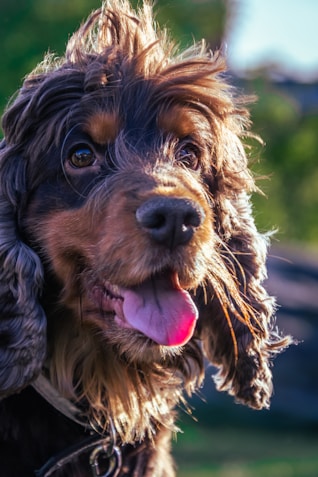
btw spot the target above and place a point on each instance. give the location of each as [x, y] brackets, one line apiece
[170, 221]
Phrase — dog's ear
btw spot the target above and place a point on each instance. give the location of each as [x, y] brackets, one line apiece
[237, 320]
[22, 320]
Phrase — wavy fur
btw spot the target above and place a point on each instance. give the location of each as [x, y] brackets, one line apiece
[122, 84]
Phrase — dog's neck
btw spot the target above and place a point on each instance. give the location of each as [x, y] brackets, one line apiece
[44, 387]
[96, 444]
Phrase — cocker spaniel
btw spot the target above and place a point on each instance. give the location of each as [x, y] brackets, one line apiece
[128, 252]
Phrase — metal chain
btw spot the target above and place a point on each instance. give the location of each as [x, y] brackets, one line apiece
[114, 461]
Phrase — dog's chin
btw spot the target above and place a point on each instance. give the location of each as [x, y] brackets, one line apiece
[135, 348]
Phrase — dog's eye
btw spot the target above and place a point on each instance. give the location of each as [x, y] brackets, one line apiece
[82, 156]
[189, 155]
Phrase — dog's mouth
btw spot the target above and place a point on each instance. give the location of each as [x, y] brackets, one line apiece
[158, 308]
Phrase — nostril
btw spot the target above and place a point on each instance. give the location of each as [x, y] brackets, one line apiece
[170, 221]
[150, 218]
[193, 218]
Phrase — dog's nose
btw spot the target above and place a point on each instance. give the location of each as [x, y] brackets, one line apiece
[170, 221]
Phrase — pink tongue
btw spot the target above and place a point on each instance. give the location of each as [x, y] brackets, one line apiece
[161, 311]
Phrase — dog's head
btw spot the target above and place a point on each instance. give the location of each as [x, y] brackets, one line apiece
[125, 222]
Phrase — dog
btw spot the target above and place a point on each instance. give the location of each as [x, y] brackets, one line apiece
[128, 250]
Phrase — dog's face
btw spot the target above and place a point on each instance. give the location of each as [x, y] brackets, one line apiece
[123, 219]
[126, 227]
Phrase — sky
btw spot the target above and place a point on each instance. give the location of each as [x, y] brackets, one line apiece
[283, 32]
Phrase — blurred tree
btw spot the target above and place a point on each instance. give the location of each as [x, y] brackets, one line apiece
[289, 159]
[29, 29]
[192, 20]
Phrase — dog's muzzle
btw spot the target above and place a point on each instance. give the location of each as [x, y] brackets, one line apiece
[170, 221]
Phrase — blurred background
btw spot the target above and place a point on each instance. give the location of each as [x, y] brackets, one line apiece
[272, 49]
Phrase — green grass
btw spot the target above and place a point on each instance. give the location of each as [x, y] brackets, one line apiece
[245, 452]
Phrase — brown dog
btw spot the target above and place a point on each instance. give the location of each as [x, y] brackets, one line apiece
[128, 252]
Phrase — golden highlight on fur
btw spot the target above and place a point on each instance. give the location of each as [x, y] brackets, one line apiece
[124, 180]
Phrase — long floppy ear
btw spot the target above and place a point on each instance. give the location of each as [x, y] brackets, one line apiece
[22, 320]
[237, 322]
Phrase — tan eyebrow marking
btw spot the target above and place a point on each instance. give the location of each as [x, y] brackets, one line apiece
[180, 121]
[103, 127]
